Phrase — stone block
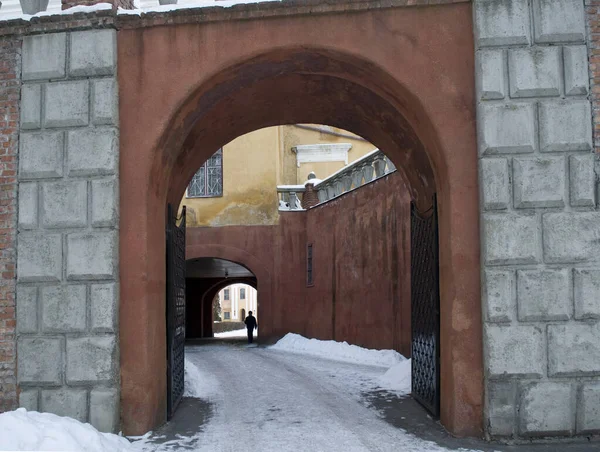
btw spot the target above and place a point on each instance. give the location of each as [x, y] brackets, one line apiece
[28, 205]
[41, 155]
[66, 104]
[501, 403]
[539, 182]
[499, 295]
[31, 107]
[573, 349]
[105, 102]
[576, 70]
[28, 399]
[104, 307]
[544, 295]
[64, 204]
[44, 56]
[63, 308]
[571, 237]
[586, 292]
[39, 257]
[510, 239]
[495, 183]
[104, 202]
[27, 309]
[91, 359]
[93, 53]
[491, 74]
[506, 128]
[547, 408]
[534, 71]
[92, 152]
[515, 351]
[104, 409]
[65, 402]
[501, 22]
[565, 125]
[558, 21]
[39, 360]
[582, 180]
[588, 411]
[92, 255]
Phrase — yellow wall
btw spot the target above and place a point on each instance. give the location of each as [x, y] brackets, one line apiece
[254, 164]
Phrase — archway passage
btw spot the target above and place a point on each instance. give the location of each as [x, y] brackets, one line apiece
[412, 98]
[205, 278]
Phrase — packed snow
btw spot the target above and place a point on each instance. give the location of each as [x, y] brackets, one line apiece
[342, 351]
[30, 430]
[235, 333]
[297, 395]
[198, 383]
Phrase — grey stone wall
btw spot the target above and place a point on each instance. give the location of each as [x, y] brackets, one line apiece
[539, 219]
[67, 245]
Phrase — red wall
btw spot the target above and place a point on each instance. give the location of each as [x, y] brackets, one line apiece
[361, 267]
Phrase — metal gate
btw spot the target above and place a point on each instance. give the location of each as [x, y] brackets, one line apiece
[175, 309]
[425, 308]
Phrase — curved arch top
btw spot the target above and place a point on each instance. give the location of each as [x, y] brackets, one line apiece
[395, 76]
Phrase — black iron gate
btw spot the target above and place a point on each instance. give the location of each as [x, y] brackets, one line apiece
[425, 308]
[175, 309]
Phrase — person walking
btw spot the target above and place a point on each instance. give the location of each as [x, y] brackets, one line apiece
[251, 325]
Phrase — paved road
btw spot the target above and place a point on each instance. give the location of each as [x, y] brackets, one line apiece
[261, 400]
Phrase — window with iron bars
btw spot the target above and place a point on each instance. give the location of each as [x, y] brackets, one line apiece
[208, 180]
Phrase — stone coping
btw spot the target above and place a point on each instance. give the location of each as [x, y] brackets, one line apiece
[243, 11]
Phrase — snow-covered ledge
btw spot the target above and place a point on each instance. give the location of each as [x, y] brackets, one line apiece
[308, 153]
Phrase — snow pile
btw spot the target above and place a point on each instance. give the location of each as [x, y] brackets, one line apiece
[30, 430]
[234, 333]
[339, 351]
[18, 14]
[189, 5]
[397, 378]
[199, 384]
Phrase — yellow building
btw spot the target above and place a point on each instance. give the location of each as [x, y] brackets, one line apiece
[238, 185]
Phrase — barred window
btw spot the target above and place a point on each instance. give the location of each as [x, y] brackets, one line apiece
[208, 181]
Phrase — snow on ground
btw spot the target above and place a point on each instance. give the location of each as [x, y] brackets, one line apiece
[341, 351]
[276, 401]
[235, 333]
[397, 378]
[198, 383]
[30, 430]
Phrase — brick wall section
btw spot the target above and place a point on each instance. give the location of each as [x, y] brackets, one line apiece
[10, 55]
[540, 222]
[593, 23]
[125, 4]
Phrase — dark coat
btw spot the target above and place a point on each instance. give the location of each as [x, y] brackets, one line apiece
[250, 322]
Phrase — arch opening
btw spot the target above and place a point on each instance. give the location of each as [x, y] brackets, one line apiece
[289, 86]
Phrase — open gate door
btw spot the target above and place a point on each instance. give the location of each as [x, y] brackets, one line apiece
[425, 308]
[175, 309]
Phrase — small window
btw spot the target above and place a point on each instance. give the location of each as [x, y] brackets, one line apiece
[208, 180]
[309, 265]
[242, 293]
[226, 294]
[226, 315]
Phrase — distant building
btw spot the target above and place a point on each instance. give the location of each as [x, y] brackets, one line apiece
[236, 300]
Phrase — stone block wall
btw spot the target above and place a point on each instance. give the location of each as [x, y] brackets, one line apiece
[67, 247]
[539, 219]
[10, 65]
